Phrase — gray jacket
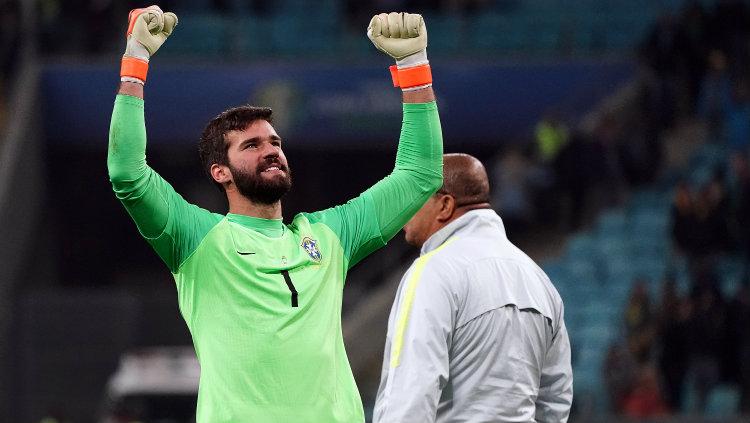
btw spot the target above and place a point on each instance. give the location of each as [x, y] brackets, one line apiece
[476, 334]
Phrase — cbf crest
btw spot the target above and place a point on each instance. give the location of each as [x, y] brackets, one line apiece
[311, 247]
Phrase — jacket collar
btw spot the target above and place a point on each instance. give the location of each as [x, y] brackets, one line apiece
[469, 222]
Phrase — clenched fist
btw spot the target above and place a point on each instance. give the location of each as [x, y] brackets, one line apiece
[402, 36]
[148, 28]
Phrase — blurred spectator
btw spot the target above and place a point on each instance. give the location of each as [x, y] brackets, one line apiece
[619, 375]
[573, 182]
[673, 334]
[695, 28]
[683, 217]
[737, 117]
[512, 175]
[645, 400]
[639, 324]
[550, 135]
[662, 51]
[713, 210]
[716, 93]
[700, 226]
[639, 154]
[707, 328]
[728, 29]
[558, 182]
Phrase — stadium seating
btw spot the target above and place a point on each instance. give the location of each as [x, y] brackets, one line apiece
[530, 28]
[598, 267]
[722, 402]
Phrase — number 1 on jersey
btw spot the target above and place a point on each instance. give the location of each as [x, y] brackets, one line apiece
[291, 287]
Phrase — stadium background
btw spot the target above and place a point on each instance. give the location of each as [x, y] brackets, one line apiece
[615, 132]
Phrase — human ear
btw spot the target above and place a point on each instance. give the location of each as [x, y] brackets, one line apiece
[221, 174]
[447, 207]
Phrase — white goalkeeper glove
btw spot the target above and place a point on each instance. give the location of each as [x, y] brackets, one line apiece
[148, 28]
[403, 36]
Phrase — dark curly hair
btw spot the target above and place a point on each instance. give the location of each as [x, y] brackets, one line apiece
[213, 148]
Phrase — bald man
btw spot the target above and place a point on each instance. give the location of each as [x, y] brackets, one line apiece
[476, 333]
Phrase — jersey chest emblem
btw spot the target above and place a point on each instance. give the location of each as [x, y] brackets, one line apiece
[311, 248]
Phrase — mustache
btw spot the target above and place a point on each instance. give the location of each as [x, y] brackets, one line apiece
[271, 162]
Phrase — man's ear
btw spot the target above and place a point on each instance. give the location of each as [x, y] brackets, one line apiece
[221, 174]
[447, 207]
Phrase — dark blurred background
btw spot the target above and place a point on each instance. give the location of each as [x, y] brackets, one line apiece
[615, 132]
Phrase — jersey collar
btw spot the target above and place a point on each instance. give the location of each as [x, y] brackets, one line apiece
[272, 228]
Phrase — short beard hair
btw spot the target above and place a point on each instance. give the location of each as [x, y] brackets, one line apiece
[258, 190]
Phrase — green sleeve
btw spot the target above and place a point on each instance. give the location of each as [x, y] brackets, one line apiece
[367, 222]
[172, 226]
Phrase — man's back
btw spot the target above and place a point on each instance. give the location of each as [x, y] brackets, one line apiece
[507, 300]
[506, 351]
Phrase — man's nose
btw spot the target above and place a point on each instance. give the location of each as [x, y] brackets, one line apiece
[270, 150]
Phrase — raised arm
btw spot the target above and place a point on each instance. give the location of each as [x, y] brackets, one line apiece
[370, 220]
[170, 224]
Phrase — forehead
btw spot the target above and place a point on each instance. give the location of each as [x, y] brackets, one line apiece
[257, 129]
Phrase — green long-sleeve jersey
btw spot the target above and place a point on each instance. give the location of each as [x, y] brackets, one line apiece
[262, 299]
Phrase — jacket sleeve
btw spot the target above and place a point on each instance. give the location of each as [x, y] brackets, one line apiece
[556, 385]
[416, 363]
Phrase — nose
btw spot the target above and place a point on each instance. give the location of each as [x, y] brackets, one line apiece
[269, 150]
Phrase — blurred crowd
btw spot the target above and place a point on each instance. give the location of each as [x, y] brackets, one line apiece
[712, 218]
[679, 349]
[86, 25]
[698, 61]
[687, 344]
[694, 65]
[543, 183]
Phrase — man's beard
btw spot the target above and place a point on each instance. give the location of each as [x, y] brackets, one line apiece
[261, 190]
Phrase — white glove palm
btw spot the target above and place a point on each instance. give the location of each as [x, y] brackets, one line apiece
[402, 36]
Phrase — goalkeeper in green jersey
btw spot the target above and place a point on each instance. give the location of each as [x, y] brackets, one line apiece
[262, 299]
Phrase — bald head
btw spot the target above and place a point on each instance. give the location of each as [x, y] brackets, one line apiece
[465, 179]
[465, 188]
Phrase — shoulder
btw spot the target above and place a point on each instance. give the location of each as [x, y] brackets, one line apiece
[455, 254]
[444, 266]
[311, 225]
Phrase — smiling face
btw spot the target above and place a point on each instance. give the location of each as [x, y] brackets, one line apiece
[257, 166]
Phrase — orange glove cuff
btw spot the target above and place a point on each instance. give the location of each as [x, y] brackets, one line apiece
[411, 77]
[134, 68]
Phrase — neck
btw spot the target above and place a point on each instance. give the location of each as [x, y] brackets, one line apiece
[460, 211]
[239, 204]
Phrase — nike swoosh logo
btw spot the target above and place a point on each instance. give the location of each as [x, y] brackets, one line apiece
[244, 254]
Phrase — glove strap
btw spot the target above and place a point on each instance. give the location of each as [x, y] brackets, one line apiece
[132, 67]
[414, 77]
[131, 20]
